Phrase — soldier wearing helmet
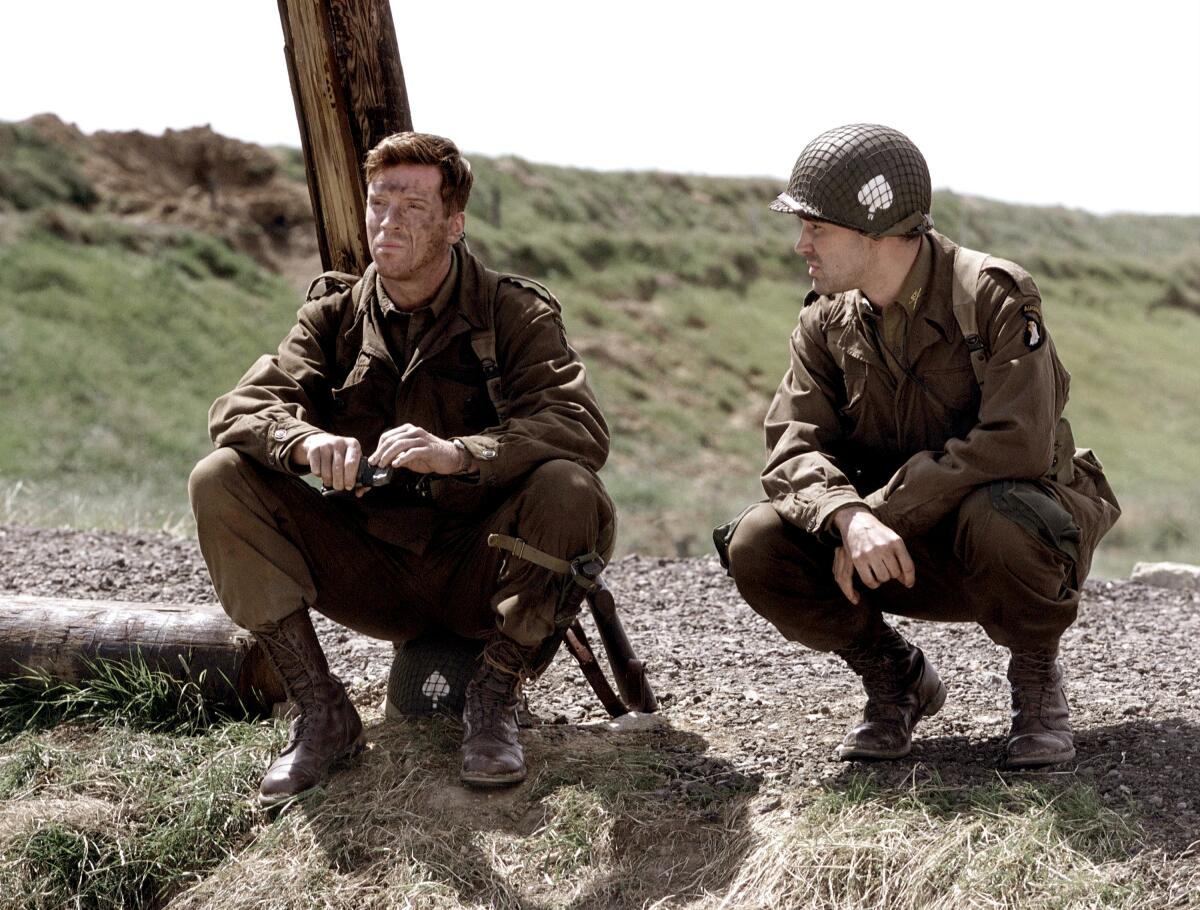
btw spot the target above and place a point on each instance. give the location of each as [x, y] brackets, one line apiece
[917, 460]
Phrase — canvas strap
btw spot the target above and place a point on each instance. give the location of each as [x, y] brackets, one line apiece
[576, 569]
[968, 264]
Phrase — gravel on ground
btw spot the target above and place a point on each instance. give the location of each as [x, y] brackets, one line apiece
[770, 709]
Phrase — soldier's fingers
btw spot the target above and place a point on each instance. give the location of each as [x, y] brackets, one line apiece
[414, 457]
[867, 573]
[908, 569]
[889, 568]
[337, 469]
[328, 476]
[843, 574]
[350, 465]
[404, 431]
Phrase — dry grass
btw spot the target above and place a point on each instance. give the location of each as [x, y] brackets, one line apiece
[603, 822]
[1001, 847]
[112, 817]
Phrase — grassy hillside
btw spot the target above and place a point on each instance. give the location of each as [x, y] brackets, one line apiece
[680, 292]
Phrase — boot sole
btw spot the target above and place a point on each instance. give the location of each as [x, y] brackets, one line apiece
[1038, 761]
[486, 781]
[930, 708]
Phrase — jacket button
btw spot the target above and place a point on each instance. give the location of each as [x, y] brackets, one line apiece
[488, 453]
[280, 434]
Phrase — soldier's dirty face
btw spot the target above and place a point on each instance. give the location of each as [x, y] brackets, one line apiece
[839, 259]
[408, 229]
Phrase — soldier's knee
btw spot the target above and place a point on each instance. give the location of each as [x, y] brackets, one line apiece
[571, 487]
[1019, 532]
[211, 472]
[754, 540]
[213, 477]
[563, 477]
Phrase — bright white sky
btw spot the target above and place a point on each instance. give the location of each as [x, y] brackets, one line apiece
[1093, 105]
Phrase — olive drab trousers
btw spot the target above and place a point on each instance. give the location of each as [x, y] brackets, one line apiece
[978, 565]
[274, 544]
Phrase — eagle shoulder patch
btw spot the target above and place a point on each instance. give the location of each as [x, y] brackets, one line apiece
[1035, 332]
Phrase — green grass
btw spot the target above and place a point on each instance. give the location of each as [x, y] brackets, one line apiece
[680, 291]
[117, 792]
[34, 171]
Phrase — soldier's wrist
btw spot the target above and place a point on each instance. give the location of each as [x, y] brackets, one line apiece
[465, 461]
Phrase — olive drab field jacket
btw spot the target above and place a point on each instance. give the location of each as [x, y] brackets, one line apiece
[842, 430]
[333, 373]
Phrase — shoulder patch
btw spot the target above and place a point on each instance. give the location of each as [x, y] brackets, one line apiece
[1035, 332]
[330, 283]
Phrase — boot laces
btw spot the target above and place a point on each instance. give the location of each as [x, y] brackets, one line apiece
[497, 685]
[1034, 676]
[882, 680]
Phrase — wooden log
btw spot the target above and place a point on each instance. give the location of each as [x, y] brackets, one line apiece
[191, 642]
[349, 90]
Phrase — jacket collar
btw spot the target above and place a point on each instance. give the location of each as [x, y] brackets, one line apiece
[932, 324]
[935, 321]
[462, 313]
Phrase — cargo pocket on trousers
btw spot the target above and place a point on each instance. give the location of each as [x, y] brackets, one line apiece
[1038, 514]
[723, 535]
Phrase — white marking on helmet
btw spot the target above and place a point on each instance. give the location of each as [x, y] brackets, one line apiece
[876, 194]
[790, 202]
[435, 686]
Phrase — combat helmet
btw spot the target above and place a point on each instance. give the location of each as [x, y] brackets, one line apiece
[863, 176]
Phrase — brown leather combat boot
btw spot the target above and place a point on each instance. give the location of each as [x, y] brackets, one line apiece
[1041, 729]
[491, 753]
[327, 728]
[901, 686]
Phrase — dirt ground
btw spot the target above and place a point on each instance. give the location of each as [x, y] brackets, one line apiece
[771, 712]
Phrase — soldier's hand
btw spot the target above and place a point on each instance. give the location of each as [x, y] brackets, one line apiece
[407, 446]
[334, 459]
[870, 548]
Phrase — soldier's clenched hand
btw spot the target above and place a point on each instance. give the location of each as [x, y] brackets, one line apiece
[870, 548]
[407, 446]
[334, 459]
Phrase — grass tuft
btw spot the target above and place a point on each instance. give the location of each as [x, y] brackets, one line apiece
[126, 693]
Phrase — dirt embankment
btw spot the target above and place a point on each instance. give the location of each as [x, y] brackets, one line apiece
[770, 711]
[200, 180]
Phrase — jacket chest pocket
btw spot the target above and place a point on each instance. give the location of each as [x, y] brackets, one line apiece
[461, 401]
[952, 393]
[363, 406]
[867, 413]
[457, 384]
[854, 377]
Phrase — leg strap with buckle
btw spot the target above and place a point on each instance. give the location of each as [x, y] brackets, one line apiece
[583, 570]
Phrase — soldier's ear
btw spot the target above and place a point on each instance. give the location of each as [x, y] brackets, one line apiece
[456, 226]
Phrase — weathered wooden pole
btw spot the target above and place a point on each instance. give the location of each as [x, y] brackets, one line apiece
[194, 643]
[348, 86]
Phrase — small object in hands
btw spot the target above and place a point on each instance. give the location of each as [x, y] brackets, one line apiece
[369, 475]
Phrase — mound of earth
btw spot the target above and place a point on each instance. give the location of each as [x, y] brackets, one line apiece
[768, 709]
[196, 179]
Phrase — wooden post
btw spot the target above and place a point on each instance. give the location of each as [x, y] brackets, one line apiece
[192, 642]
[348, 86]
